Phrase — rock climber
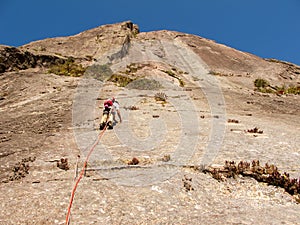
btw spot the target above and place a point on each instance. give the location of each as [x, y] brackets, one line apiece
[116, 110]
[111, 108]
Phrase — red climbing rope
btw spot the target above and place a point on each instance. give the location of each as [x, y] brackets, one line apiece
[82, 173]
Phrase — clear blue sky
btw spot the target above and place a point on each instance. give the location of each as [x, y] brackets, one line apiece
[267, 28]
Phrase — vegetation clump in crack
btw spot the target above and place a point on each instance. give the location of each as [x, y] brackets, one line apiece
[161, 96]
[174, 75]
[133, 68]
[187, 183]
[264, 86]
[120, 80]
[288, 90]
[131, 80]
[232, 121]
[63, 164]
[261, 83]
[68, 68]
[268, 174]
[20, 169]
[255, 130]
[123, 78]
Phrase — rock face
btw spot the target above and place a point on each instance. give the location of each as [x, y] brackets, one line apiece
[88, 44]
[12, 59]
[187, 103]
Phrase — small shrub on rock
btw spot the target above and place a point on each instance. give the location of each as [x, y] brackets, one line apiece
[68, 68]
[261, 83]
[160, 96]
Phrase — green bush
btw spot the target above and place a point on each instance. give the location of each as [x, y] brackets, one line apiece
[288, 90]
[293, 90]
[160, 96]
[261, 83]
[264, 87]
[120, 80]
[68, 68]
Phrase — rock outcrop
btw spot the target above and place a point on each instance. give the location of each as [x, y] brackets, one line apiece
[87, 45]
[12, 59]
